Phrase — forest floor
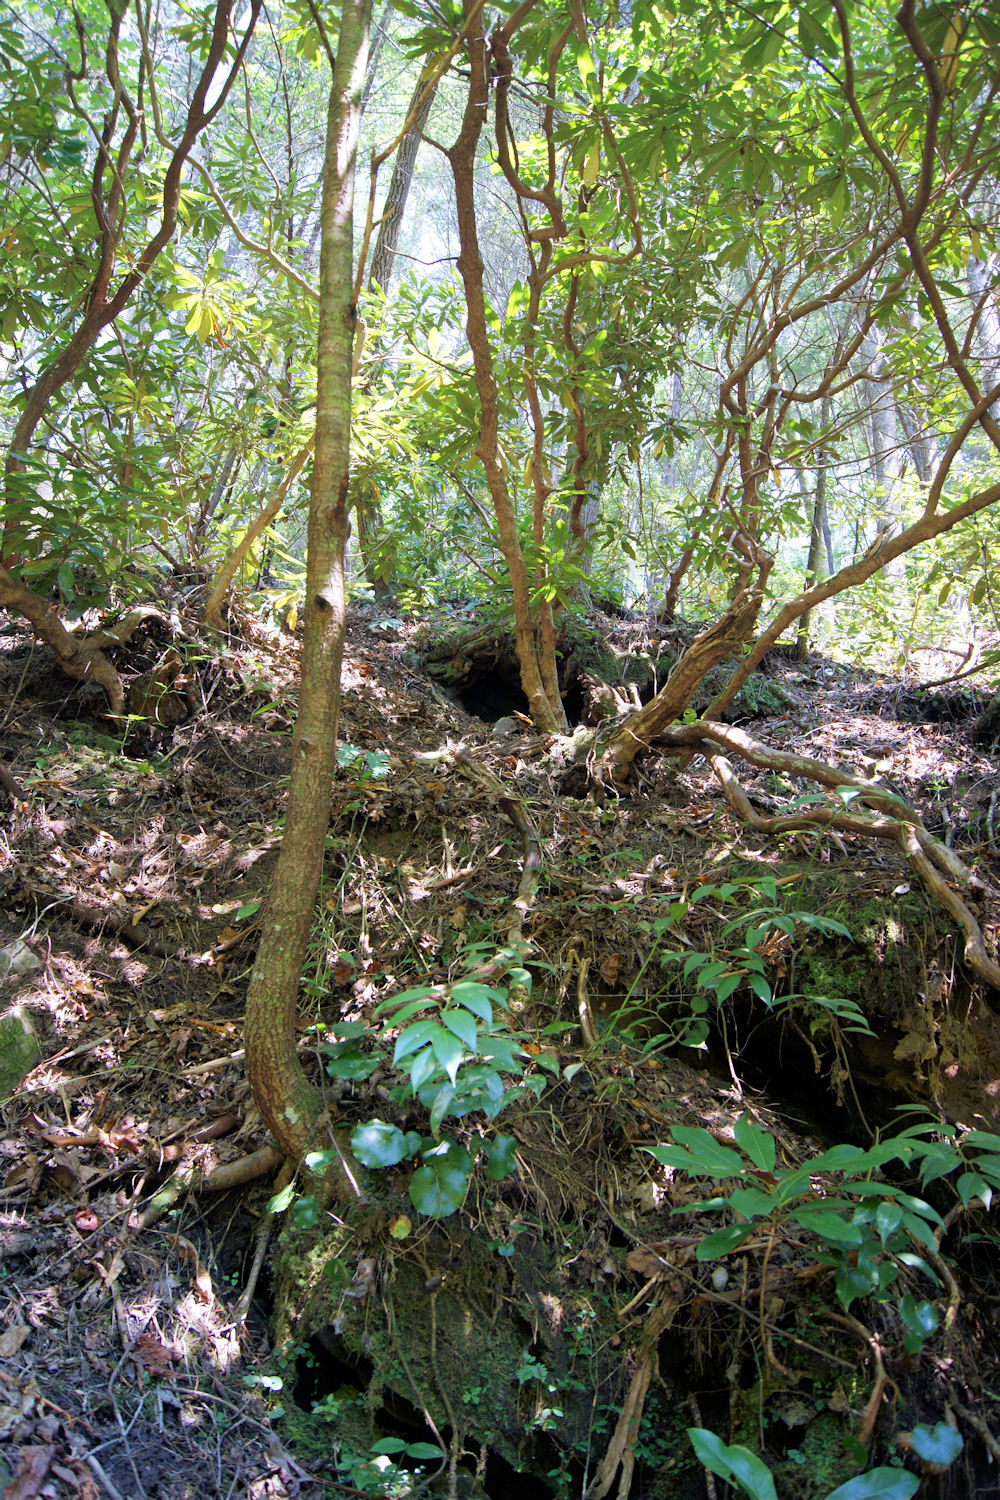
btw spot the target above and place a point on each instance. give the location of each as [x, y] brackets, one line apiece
[130, 871]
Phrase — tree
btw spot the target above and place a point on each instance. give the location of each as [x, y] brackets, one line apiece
[287, 1101]
[99, 290]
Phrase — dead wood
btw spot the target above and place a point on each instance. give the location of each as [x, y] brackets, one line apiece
[10, 785]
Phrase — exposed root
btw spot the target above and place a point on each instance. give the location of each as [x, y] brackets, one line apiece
[621, 1449]
[890, 819]
[882, 1380]
[977, 1423]
[190, 1178]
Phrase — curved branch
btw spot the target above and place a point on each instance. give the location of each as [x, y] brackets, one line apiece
[897, 822]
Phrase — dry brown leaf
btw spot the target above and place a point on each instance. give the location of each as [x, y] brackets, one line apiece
[156, 1359]
[645, 1262]
[31, 1474]
[202, 1278]
[609, 968]
[12, 1338]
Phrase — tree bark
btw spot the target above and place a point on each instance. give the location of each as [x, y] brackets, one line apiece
[288, 1102]
[381, 574]
[546, 706]
[104, 303]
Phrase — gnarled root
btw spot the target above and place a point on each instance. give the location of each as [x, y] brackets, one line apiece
[890, 819]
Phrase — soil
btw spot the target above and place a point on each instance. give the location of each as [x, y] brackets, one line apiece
[131, 867]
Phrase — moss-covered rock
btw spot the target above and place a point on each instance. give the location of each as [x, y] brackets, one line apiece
[19, 1049]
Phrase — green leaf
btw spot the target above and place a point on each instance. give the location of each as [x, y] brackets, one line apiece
[462, 1025]
[438, 1188]
[756, 1142]
[500, 1158]
[422, 1069]
[752, 1203]
[921, 1318]
[426, 992]
[828, 1226]
[378, 1144]
[878, 1484]
[439, 1108]
[970, 1185]
[939, 1444]
[448, 1051]
[840, 1159]
[305, 1213]
[723, 1240]
[424, 1450]
[388, 1446]
[413, 1038]
[280, 1201]
[733, 1463]
[709, 1157]
[478, 998]
[888, 1218]
[412, 1008]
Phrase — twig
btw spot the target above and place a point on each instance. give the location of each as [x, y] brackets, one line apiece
[977, 1422]
[282, 1180]
[589, 1030]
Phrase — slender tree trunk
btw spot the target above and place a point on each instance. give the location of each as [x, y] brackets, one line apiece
[104, 302]
[538, 676]
[819, 530]
[286, 1099]
[884, 445]
[380, 573]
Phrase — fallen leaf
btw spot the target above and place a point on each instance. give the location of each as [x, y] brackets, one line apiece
[156, 1359]
[31, 1474]
[202, 1278]
[86, 1221]
[609, 968]
[12, 1338]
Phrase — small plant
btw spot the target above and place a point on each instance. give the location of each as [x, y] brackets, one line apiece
[739, 1466]
[865, 1229]
[457, 1054]
[718, 974]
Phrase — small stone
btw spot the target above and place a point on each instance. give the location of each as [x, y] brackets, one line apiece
[17, 958]
[504, 728]
[19, 1049]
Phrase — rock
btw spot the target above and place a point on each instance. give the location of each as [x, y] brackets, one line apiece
[19, 1049]
[17, 958]
[504, 728]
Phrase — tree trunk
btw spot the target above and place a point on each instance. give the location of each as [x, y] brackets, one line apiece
[381, 572]
[286, 1099]
[536, 655]
[104, 303]
[819, 530]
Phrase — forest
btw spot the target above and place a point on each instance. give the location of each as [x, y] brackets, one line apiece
[499, 702]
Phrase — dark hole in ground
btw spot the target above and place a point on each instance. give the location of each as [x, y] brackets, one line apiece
[322, 1371]
[493, 695]
[497, 694]
[573, 701]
